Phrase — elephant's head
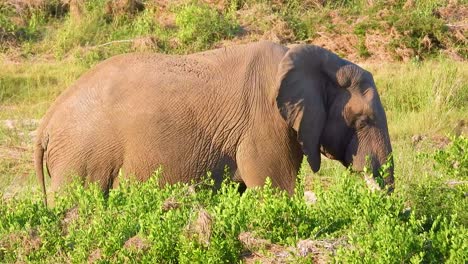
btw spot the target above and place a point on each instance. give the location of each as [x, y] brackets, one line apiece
[334, 107]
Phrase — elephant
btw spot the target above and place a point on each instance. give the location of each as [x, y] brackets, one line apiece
[256, 108]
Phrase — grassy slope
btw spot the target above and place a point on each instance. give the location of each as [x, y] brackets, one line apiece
[424, 100]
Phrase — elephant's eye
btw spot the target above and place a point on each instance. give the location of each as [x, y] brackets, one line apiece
[361, 122]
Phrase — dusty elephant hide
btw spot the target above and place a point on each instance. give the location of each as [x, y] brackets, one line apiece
[255, 108]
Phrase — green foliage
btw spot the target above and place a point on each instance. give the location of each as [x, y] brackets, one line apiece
[294, 12]
[34, 83]
[27, 27]
[453, 160]
[354, 4]
[201, 25]
[415, 27]
[85, 31]
[373, 226]
[444, 194]
[7, 27]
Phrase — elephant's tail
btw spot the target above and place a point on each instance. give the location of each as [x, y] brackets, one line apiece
[39, 167]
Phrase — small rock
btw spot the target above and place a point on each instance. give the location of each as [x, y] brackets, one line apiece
[310, 197]
[32, 242]
[201, 228]
[416, 139]
[439, 141]
[9, 124]
[204, 225]
[372, 184]
[70, 216]
[191, 190]
[319, 249]
[283, 254]
[305, 247]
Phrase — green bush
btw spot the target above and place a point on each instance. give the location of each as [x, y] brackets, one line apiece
[453, 161]
[372, 226]
[201, 25]
[7, 27]
[414, 28]
[443, 194]
[27, 25]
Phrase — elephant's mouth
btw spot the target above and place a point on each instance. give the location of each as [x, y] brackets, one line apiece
[329, 155]
[342, 152]
[350, 153]
[326, 153]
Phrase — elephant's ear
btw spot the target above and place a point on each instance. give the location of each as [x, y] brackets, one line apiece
[303, 74]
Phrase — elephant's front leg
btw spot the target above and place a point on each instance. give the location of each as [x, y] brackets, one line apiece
[259, 158]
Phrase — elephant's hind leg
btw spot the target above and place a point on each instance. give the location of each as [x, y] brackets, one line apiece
[104, 175]
[88, 170]
[62, 175]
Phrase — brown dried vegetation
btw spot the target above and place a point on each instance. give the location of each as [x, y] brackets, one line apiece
[258, 249]
[201, 228]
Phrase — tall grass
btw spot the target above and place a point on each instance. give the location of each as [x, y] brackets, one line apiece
[430, 90]
[28, 89]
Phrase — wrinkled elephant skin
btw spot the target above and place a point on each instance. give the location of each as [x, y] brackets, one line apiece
[256, 108]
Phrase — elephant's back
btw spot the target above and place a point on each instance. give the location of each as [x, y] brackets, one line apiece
[118, 99]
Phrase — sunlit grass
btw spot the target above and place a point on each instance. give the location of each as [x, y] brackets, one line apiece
[27, 89]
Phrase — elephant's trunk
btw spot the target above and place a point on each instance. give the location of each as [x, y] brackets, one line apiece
[382, 167]
[372, 147]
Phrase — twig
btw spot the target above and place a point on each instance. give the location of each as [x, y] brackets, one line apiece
[453, 183]
[113, 42]
[457, 26]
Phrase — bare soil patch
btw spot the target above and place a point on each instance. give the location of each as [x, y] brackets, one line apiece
[95, 256]
[136, 243]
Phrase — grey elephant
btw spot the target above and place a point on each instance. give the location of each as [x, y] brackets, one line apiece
[256, 108]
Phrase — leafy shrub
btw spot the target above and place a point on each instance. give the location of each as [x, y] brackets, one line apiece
[86, 225]
[453, 160]
[200, 25]
[414, 28]
[7, 27]
[417, 31]
[25, 26]
[442, 197]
